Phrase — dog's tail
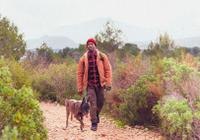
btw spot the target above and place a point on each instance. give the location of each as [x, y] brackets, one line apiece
[66, 102]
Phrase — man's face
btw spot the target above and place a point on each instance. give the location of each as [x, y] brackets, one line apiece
[91, 46]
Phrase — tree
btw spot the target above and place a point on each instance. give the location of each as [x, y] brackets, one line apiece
[12, 44]
[110, 38]
[128, 50]
[195, 51]
[63, 53]
[45, 53]
[166, 43]
[74, 53]
[131, 49]
[164, 47]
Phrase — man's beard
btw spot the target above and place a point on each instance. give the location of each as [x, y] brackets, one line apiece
[91, 49]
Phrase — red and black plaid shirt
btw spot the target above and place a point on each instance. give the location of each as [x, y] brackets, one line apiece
[93, 74]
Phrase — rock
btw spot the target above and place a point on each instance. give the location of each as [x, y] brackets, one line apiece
[103, 135]
[139, 127]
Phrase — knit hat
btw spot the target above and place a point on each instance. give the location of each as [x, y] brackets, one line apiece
[91, 40]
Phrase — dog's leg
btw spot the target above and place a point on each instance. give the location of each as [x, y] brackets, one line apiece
[67, 116]
[80, 119]
[82, 124]
[72, 111]
[71, 116]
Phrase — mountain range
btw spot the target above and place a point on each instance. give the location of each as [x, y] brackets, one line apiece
[55, 42]
[72, 35]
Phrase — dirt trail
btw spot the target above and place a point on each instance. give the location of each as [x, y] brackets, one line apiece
[55, 122]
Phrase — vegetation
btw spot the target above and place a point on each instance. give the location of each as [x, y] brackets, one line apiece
[12, 44]
[20, 116]
[156, 86]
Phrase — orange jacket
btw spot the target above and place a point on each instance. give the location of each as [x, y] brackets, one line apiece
[103, 66]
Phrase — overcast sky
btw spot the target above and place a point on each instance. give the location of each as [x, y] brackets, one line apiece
[36, 17]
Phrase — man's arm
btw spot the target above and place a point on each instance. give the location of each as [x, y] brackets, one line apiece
[80, 74]
[108, 71]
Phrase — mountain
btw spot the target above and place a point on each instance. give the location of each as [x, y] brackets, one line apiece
[181, 42]
[58, 38]
[189, 42]
[55, 42]
[81, 32]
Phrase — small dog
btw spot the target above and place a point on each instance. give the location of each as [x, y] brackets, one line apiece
[77, 109]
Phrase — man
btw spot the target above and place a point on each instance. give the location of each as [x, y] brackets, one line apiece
[94, 74]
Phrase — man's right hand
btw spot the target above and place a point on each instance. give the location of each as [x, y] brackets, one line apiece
[80, 93]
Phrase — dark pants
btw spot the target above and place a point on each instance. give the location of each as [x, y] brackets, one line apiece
[96, 100]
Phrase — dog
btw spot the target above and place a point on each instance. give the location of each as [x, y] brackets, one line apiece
[78, 109]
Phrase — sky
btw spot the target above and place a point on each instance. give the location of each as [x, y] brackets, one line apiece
[36, 17]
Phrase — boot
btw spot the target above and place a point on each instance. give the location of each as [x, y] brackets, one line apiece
[94, 127]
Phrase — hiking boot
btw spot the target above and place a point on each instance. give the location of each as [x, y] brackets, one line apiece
[94, 127]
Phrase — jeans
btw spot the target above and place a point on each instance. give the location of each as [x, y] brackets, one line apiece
[96, 99]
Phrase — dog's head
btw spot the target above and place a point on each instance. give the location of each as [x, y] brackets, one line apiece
[85, 106]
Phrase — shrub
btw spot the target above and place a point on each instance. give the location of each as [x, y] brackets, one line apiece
[176, 118]
[56, 82]
[138, 101]
[180, 81]
[126, 74]
[10, 134]
[20, 77]
[172, 75]
[20, 115]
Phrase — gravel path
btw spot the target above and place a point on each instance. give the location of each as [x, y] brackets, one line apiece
[55, 122]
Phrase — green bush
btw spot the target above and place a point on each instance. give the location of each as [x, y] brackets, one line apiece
[20, 115]
[20, 77]
[179, 81]
[172, 74]
[176, 118]
[56, 82]
[137, 102]
[175, 71]
[10, 134]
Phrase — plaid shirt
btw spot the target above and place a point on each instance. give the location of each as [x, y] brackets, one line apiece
[93, 74]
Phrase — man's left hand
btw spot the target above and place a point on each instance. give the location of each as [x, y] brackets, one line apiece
[107, 88]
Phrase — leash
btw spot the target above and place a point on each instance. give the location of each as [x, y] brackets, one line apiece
[85, 97]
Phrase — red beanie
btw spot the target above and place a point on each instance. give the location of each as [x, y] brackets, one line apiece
[91, 40]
